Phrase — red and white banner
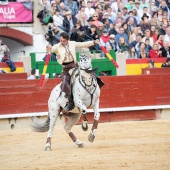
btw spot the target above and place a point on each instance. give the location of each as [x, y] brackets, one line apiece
[15, 12]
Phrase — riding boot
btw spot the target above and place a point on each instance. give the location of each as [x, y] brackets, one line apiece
[70, 105]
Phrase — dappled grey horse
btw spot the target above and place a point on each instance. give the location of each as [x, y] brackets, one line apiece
[86, 93]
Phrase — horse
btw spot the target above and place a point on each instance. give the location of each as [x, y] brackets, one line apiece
[86, 93]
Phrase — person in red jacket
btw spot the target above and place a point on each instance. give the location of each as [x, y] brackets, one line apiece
[155, 53]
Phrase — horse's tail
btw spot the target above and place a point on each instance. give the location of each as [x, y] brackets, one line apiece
[40, 126]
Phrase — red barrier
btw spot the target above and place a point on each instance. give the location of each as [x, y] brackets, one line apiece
[26, 96]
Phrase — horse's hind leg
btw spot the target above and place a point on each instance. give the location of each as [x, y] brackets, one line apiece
[72, 120]
[54, 111]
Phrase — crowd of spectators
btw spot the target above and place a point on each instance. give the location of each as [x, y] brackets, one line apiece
[141, 28]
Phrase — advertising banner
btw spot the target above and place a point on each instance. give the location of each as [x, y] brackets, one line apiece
[16, 12]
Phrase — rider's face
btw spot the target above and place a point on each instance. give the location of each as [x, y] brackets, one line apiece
[63, 41]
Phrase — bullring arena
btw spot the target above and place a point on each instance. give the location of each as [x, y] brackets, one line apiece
[119, 145]
[135, 137]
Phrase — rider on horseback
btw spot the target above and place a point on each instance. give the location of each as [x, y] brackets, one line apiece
[66, 56]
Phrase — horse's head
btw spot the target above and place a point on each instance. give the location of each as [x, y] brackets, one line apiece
[85, 64]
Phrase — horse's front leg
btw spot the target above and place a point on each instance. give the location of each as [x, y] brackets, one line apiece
[95, 122]
[84, 123]
[72, 120]
[54, 111]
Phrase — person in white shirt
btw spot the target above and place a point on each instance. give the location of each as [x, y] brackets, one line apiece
[32, 76]
[89, 11]
[167, 35]
[57, 19]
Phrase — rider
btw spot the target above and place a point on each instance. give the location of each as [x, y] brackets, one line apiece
[66, 56]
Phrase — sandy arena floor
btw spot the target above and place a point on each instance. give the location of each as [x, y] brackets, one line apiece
[121, 145]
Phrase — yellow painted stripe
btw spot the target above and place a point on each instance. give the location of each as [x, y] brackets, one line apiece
[109, 56]
[136, 69]
[44, 70]
[18, 70]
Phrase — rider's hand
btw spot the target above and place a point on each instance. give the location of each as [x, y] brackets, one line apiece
[96, 41]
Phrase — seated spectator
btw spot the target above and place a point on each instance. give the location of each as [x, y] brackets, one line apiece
[100, 29]
[141, 53]
[62, 8]
[115, 29]
[122, 45]
[81, 11]
[136, 16]
[148, 47]
[122, 34]
[162, 30]
[167, 63]
[167, 35]
[148, 35]
[32, 76]
[95, 19]
[145, 24]
[151, 64]
[164, 7]
[132, 37]
[160, 11]
[131, 53]
[112, 42]
[131, 16]
[130, 5]
[165, 50]
[145, 6]
[111, 14]
[3, 49]
[58, 19]
[83, 19]
[89, 11]
[160, 40]
[125, 27]
[2, 71]
[72, 5]
[78, 33]
[131, 25]
[104, 38]
[124, 14]
[154, 21]
[155, 53]
[164, 18]
[68, 22]
[136, 43]
[138, 9]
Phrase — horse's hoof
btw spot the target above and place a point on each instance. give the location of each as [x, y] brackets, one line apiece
[85, 128]
[81, 145]
[91, 137]
[48, 147]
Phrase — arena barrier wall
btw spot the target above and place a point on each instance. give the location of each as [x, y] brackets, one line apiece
[122, 98]
[19, 67]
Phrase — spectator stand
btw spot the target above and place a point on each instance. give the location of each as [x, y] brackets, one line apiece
[19, 67]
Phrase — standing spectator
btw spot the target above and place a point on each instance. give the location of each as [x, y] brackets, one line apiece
[155, 53]
[167, 63]
[89, 11]
[165, 50]
[32, 76]
[122, 34]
